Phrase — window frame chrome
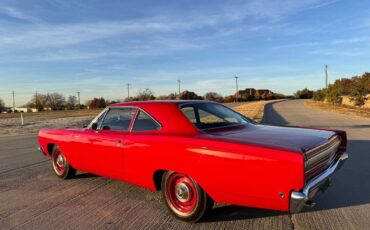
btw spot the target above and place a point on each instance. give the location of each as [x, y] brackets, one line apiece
[150, 116]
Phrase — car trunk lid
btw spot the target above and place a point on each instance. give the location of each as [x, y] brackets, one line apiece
[285, 138]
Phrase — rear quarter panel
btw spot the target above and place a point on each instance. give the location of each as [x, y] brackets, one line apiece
[230, 173]
[250, 175]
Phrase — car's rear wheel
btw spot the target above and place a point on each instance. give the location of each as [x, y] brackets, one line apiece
[184, 197]
[60, 164]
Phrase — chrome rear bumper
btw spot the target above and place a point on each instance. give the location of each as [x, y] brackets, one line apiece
[322, 181]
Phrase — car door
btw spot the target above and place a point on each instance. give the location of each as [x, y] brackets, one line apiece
[138, 149]
[102, 153]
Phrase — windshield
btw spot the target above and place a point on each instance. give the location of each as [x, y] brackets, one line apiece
[211, 115]
[98, 119]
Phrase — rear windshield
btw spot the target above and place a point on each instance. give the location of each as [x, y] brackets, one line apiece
[211, 115]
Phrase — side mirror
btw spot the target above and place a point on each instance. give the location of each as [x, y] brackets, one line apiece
[94, 126]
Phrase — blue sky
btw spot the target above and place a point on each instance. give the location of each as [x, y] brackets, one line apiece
[96, 47]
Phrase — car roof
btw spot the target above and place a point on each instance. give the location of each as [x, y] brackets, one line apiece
[167, 113]
[156, 102]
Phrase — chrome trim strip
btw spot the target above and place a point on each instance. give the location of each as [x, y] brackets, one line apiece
[150, 116]
[325, 145]
[298, 199]
[321, 155]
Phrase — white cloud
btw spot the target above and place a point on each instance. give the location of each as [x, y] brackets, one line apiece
[58, 35]
[351, 40]
[17, 14]
[297, 45]
[335, 52]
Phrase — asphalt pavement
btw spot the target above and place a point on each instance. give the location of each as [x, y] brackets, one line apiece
[32, 197]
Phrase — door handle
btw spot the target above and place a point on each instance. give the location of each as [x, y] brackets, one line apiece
[119, 143]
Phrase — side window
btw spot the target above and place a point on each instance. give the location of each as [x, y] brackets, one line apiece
[209, 115]
[190, 114]
[118, 119]
[206, 117]
[144, 122]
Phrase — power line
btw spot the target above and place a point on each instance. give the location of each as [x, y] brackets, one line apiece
[13, 93]
[79, 100]
[36, 101]
[128, 90]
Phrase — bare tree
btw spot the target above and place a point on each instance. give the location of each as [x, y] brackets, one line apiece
[146, 95]
[2, 105]
[97, 103]
[128, 99]
[71, 102]
[38, 101]
[56, 101]
[162, 97]
[188, 95]
[213, 96]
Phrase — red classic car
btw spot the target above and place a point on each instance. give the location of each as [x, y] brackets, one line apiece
[198, 153]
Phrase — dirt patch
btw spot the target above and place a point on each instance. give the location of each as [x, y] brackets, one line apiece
[339, 109]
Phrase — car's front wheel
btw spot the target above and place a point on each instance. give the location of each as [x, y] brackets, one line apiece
[184, 197]
[60, 164]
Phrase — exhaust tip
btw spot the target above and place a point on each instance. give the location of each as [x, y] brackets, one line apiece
[310, 204]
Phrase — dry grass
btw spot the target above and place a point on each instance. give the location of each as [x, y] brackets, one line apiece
[339, 109]
[253, 110]
[54, 114]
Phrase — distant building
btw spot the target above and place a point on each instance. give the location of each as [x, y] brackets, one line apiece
[252, 93]
[263, 93]
[25, 110]
[247, 93]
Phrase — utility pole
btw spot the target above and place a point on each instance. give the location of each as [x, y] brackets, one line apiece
[237, 90]
[79, 100]
[13, 93]
[128, 90]
[326, 76]
[179, 82]
[36, 101]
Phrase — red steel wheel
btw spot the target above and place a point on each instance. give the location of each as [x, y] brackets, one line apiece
[60, 164]
[184, 197]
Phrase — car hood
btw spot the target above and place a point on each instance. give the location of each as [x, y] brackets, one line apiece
[277, 137]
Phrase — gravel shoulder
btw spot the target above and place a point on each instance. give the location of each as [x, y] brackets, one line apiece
[340, 109]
